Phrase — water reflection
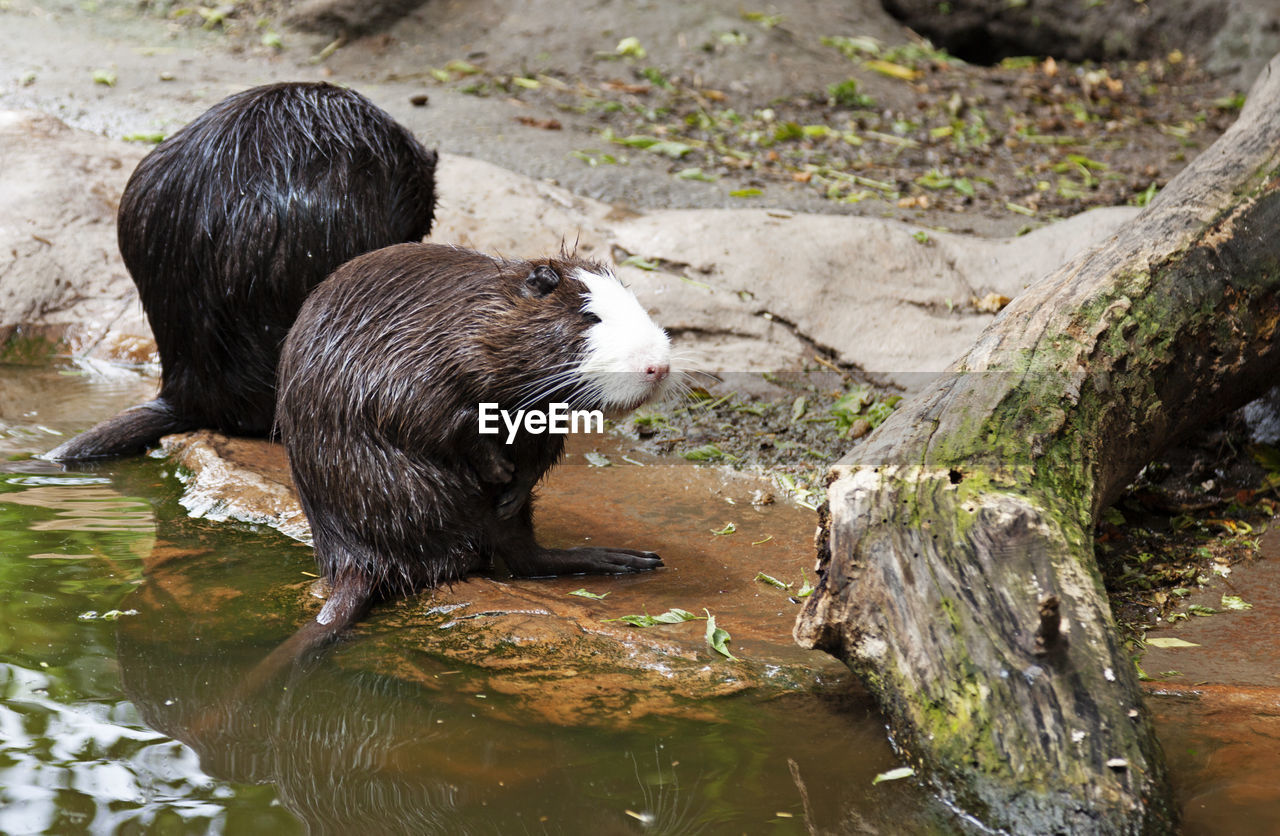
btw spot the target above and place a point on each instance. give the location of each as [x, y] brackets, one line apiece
[78, 505]
[41, 407]
[435, 751]
[123, 623]
[74, 755]
[87, 765]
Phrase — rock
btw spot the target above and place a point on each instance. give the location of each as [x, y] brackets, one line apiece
[237, 479]
[1248, 38]
[1236, 37]
[61, 278]
[532, 638]
[865, 289]
[740, 289]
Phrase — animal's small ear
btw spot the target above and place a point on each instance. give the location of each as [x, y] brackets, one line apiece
[541, 281]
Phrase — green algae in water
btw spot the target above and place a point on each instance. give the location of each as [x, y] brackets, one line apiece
[75, 755]
[115, 724]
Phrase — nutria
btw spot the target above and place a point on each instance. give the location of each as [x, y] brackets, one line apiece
[228, 224]
[381, 382]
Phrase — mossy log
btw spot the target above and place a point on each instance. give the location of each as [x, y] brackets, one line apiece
[957, 573]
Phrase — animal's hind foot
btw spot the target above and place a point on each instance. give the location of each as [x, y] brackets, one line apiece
[587, 560]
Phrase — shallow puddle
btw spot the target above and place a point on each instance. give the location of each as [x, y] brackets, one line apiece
[1217, 700]
[124, 623]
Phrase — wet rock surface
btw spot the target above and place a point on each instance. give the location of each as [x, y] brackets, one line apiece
[240, 479]
[532, 639]
[1229, 640]
[742, 290]
[1215, 698]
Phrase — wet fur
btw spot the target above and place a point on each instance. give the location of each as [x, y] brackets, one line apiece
[228, 224]
[380, 380]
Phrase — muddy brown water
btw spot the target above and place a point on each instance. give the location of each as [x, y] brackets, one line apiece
[1217, 701]
[122, 619]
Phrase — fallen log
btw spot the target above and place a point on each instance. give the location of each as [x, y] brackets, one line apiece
[956, 568]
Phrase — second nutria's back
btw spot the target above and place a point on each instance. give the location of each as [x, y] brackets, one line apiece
[229, 223]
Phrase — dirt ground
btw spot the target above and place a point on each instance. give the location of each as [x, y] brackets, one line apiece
[810, 105]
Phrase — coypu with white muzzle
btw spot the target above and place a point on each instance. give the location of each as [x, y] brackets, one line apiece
[382, 381]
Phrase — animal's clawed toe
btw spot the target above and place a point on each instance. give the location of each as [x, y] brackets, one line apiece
[631, 560]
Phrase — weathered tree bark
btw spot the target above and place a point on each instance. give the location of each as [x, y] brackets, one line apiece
[957, 574]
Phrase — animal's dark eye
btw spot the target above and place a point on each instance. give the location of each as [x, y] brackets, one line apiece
[541, 281]
[591, 318]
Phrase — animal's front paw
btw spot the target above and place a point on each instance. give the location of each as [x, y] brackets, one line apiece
[510, 502]
[492, 466]
[618, 561]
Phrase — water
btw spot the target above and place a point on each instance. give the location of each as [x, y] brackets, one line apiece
[75, 756]
[124, 624]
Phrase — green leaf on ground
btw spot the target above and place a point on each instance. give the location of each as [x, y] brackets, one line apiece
[671, 616]
[771, 580]
[717, 638]
[1235, 602]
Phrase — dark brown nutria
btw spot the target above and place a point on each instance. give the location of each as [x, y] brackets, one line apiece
[229, 223]
[382, 383]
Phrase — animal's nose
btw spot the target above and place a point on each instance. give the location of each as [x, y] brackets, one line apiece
[656, 372]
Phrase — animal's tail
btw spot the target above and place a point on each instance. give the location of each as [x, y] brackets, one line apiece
[126, 434]
[349, 601]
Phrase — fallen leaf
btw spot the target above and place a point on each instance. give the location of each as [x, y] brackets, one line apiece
[717, 638]
[893, 70]
[771, 580]
[671, 616]
[624, 87]
[630, 47]
[893, 775]
[1235, 602]
[1170, 641]
[544, 124]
